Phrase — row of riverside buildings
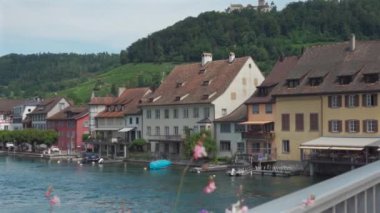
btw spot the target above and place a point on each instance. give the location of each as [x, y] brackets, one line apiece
[320, 107]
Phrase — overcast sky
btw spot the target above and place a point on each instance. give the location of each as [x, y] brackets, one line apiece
[91, 26]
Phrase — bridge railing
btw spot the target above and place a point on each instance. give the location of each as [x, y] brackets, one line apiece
[355, 191]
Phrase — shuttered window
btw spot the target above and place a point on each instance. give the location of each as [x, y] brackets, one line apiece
[352, 126]
[299, 122]
[369, 100]
[335, 101]
[285, 122]
[335, 126]
[314, 124]
[351, 101]
[370, 126]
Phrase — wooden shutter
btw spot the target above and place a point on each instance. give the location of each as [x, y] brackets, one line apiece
[364, 103]
[357, 125]
[330, 126]
[365, 126]
[314, 125]
[375, 126]
[339, 101]
[374, 99]
[285, 122]
[340, 126]
[329, 101]
[299, 122]
[356, 100]
[346, 100]
[347, 128]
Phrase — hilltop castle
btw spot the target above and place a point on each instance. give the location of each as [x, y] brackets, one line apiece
[262, 6]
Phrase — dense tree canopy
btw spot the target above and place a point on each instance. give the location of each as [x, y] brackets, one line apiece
[38, 74]
[264, 36]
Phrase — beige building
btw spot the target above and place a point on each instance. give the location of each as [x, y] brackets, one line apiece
[326, 108]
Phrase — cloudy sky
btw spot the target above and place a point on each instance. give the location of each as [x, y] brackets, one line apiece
[91, 26]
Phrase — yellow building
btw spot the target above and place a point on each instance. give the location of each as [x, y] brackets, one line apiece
[327, 105]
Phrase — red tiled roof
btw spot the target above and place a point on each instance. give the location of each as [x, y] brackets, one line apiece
[130, 99]
[279, 72]
[73, 112]
[46, 105]
[332, 61]
[184, 83]
[6, 105]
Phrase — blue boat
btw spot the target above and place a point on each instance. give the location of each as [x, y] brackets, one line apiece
[159, 164]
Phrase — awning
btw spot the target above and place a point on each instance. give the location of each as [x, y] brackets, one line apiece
[256, 122]
[106, 129]
[126, 129]
[341, 143]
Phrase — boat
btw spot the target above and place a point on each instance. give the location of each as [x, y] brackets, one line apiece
[238, 172]
[159, 164]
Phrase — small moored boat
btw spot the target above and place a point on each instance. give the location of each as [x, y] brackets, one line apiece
[159, 164]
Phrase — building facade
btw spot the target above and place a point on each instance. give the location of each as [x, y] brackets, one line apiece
[20, 113]
[6, 113]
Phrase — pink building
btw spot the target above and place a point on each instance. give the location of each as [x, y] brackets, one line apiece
[70, 124]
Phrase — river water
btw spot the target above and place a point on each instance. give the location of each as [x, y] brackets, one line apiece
[123, 187]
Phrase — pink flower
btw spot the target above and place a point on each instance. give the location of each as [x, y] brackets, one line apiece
[210, 186]
[55, 201]
[199, 151]
[244, 209]
[49, 191]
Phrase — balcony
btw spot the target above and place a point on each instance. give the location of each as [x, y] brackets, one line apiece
[340, 158]
[258, 135]
[166, 137]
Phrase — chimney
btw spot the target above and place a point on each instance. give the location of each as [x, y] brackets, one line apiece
[121, 90]
[353, 42]
[231, 58]
[206, 57]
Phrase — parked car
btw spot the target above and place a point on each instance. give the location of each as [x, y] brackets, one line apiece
[88, 157]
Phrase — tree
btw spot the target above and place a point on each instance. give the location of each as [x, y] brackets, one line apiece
[208, 142]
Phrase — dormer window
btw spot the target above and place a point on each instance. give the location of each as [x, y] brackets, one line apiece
[263, 91]
[315, 81]
[179, 84]
[371, 78]
[292, 83]
[202, 70]
[177, 98]
[344, 80]
[205, 83]
[151, 100]
[112, 108]
[205, 97]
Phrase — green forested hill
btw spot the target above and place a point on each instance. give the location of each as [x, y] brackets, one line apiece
[38, 74]
[264, 36]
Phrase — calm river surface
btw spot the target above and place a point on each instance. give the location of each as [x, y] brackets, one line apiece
[113, 187]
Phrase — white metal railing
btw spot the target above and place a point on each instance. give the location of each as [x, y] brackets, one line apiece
[355, 191]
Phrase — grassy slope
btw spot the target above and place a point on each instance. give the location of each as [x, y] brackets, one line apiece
[126, 75]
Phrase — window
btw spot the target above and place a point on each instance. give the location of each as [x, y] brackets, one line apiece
[263, 91]
[255, 82]
[85, 124]
[344, 80]
[285, 146]
[244, 81]
[335, 101]
[314, 124]
[225, 146]
[239, 128]
[371, 78]
[166, 130]
[205, 83]
[61, 106]
[206, 112]
[130, 120]
[369, 100]
[148, 130]
[241, 147]
[351, 101]
[224, 112]
[370, 126]
[299, 122]
[285, 123]
[6, 127]
[158, 131]
[233, 95]
[166, 113]
[292, 83]
[176, 132]
[137, 120]
[225, 128]
[195, 112]
[148, 114]
[335, 126]
[315, 81]
[352, 126]
[255, 109]
[175, 113]
[157, 112]
[268, 108]
[185, 113]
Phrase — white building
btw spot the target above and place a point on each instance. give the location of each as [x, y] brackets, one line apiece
[6, 117]
[97, 105]
[20, 113]
[193, 95]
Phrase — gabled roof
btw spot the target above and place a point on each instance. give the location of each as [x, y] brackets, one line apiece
[70, 113]
[238, 115]
[101, 100]
[46, 105]
[185, 83]
[332, 61]
[279, 72]
[130, 99]
[6, 105]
